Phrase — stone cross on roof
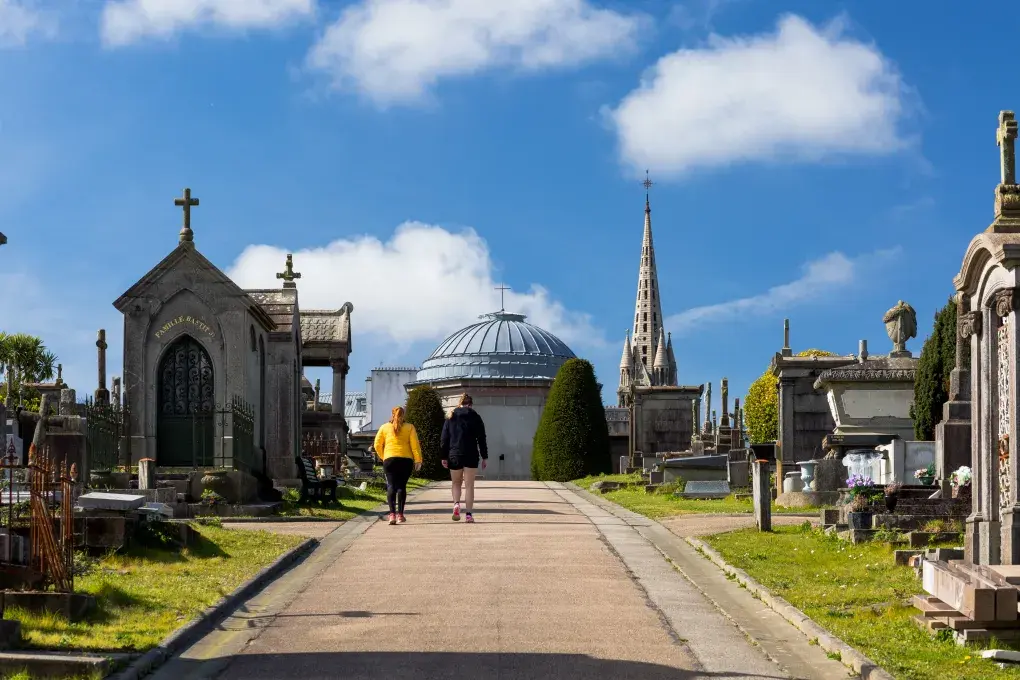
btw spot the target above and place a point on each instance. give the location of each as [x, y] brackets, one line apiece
[288, 274]
[186, 202]
[1005, 137]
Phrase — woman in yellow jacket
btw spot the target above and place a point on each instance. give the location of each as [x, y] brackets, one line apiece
[397, 446]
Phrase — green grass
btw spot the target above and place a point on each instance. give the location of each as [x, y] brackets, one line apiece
[146, 593]
[664, 504]
[354, 501]
[856, 592]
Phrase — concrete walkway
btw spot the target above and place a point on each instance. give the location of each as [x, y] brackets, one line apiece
[548, 583]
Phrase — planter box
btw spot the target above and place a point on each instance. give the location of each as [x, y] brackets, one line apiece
[859, 521]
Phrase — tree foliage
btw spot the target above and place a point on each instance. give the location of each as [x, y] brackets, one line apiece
[931, 385]
[425, 411]
[24, 359]
[572, 439]
[761, 406]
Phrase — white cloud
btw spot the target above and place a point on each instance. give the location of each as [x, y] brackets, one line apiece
[801, 93]
[128, 21]
[20, 19]
[821, 278]
[395, 51]
[421, 285]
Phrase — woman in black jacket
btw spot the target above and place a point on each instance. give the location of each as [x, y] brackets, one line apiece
[463, 447]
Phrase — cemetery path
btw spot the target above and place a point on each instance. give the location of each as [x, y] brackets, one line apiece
[546, 584]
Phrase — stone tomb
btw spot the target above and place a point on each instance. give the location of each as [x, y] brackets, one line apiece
[195, 343]
[662, 420]
[706, 489]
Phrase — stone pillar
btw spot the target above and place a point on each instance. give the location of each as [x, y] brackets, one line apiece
[315, 402]
[762, 493]
[115, 392]
[337, 405]
[146, 474]
[787, 431]
[708, 410]
[102, 395]
[952, 435]
[786, 351]
[725, 420]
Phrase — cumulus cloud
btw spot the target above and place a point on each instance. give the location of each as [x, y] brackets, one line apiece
[800, 93]
[128, 21]
[19, 19]
[421, 285]
[395, 51]
[820, 278]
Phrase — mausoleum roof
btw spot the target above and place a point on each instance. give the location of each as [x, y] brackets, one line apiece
[502, 346]
[325, 325]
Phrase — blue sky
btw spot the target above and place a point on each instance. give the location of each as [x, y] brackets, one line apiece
[813, 160]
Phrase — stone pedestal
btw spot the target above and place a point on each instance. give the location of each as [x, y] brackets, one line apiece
[146, 474]
[762, 494]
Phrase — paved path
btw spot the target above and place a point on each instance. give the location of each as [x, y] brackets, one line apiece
[548, 583]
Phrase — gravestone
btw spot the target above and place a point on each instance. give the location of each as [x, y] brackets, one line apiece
[706, 489]
[761, 491]
[110, 501]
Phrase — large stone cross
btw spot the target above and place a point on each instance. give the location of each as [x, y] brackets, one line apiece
[288, 274]
[1005, 137]
[186, 202]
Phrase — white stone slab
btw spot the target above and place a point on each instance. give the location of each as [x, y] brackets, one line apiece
[158, 509]
[706, 489]
[1001, 655]
[110, 501]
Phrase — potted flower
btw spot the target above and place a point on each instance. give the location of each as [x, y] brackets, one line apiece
[926, 476]
[960, 480]
[892, 495]
[860, 514]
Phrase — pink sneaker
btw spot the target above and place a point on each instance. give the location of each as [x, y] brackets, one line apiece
[468, 518]
[400, 518]
[392, 517]
[456, 512]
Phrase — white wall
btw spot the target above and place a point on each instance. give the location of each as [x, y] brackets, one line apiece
[385, 391]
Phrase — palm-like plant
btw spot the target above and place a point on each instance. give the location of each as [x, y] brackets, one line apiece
[25, 359]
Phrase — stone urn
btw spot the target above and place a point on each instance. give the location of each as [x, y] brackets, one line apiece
[217, 482]
[807, 474]
[101, 479]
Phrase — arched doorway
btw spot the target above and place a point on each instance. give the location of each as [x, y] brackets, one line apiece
[185, 420]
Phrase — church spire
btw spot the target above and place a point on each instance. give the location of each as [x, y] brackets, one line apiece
[627, 360]
[647, 307]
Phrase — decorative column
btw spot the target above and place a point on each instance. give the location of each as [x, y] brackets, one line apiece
[786, 351]
[315, 403]
[102, 395]
[725, 420]
[708, 410]
[952, 435]
[1006, 302]
[337, 404]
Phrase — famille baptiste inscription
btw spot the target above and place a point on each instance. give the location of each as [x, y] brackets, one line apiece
[197, 324]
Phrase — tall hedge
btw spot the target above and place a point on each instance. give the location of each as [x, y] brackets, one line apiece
[761, 406]
[931, 385]
[572, 439]
[425, 412]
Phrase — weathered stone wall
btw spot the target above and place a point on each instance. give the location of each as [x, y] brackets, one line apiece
[804, 414]
[663, 419]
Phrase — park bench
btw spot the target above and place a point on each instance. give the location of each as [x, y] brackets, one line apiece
[313, 488]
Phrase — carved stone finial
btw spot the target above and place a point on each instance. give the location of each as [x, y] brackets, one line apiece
[900, 326]
[1005, 138]
[288, 274]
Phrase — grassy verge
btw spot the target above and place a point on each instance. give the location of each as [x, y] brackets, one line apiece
[664, 504]
[856, 592]
[355, 501]
[146, 593]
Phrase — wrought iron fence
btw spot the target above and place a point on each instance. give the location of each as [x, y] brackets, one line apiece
[105, 426]
[242, 425]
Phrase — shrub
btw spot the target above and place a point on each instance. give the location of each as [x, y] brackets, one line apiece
[425, 411]
[931, 386]
[761, 407]
[572, 440]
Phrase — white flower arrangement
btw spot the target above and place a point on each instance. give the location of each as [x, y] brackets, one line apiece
[961, 477]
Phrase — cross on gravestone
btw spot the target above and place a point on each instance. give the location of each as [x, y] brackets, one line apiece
[186, 202]
[288, 274]
[502, 288]
[1005, 137]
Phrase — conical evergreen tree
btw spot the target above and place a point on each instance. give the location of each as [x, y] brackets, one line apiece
[572, 439]
[931, 385]
[425, 411]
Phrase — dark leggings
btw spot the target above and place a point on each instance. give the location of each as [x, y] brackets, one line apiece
[398, 471]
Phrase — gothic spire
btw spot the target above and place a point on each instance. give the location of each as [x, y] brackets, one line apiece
[647, 308]
[627, 360]
[661, 361]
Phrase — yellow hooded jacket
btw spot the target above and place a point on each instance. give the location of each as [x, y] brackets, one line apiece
[403, 444]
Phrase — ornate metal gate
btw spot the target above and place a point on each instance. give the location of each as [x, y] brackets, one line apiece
[185, 427]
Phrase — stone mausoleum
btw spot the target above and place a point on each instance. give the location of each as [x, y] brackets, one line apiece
[212, 372]
[507, 365]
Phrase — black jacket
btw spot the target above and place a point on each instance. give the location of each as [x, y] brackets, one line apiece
[464, 435]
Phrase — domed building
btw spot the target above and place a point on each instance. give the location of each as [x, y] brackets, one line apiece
[507, 365]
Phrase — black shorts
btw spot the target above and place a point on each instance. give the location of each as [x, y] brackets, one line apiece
[461, 462]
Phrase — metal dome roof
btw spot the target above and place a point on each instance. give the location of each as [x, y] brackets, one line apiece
[504, 345]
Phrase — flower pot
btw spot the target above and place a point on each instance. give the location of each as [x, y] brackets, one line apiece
[101, 479]
[890, 501]
[807, 474]
[926, 481]
[859, 521]
[217, 482]
[962, 492]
